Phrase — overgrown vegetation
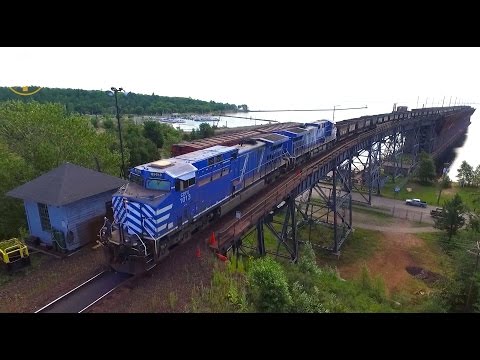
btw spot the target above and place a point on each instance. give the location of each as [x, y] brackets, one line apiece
[453, 216]
[460, 291]
[269, 285]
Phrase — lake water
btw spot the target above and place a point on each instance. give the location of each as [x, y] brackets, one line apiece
[470, 150]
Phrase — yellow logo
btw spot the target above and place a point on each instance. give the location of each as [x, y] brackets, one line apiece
[25, 90]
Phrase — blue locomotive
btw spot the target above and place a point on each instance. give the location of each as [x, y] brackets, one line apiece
[166, 201]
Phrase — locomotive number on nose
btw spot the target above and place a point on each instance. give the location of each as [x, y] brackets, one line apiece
[185, 196]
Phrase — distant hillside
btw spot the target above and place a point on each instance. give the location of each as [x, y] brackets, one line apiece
[98, 102]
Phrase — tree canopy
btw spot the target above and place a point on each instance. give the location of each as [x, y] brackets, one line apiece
[426, 169]
[466, 174]
[97, 102]
[452, 218]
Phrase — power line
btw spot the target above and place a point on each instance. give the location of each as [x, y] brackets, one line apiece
[249, 118]
[336, 109]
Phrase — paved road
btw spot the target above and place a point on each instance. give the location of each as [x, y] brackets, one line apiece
[396, 229]
[389, 204]
[397, 208]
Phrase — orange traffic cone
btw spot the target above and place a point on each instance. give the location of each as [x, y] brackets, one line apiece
[212, 241]
[222, 257]
[197, 252]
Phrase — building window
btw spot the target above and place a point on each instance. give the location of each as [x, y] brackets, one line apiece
[44, 217]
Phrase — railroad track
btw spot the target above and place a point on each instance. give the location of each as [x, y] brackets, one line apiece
[86, 294]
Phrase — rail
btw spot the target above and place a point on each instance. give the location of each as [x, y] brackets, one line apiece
[86, 294]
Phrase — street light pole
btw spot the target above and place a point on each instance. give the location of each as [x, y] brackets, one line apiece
[334, 106]
[114, 92]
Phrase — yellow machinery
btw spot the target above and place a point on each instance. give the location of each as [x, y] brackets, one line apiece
[14, 253]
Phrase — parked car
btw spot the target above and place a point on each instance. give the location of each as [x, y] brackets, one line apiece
[416, 202]
[436, 213]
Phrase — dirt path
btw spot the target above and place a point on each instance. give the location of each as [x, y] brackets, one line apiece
[399, 248]
[390, 261]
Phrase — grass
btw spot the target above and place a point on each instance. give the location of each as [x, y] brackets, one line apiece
[468, 195]
[226, 293]
[360, 245]
[380, 217]
[416, 295]
[428, 193]
[436, 258]
[35, 262]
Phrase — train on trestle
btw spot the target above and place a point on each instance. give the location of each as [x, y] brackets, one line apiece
[167, 201]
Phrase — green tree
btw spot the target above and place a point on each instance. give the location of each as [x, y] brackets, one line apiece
[456, 288]
[15, 172]
[476, 176]
[152, 130]
[268, 286]
[465, 174]
[205, 130]
[44, 136]
[426, 169]
[94, 121]
[445, 182]
[194, 134]
[452, 218]
[108, 124]
[141, 149]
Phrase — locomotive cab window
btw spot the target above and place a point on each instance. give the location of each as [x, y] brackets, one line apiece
[155, 184]
[137, 179]
[183, 184]
[211, 161]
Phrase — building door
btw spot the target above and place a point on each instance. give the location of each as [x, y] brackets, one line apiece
[109, 210]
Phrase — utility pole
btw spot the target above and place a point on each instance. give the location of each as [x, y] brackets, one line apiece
[114, 92]
[467, 303]
[444, 172]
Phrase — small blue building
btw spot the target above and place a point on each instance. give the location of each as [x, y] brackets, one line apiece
[64, 205]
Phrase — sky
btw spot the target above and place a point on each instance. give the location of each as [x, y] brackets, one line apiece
[262, 78]
[266, 78]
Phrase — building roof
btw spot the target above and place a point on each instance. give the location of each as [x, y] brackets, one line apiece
[66, 184]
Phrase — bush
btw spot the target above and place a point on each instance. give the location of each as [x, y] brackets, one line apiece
[268, 286]
[303, 302]
[307, 262]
